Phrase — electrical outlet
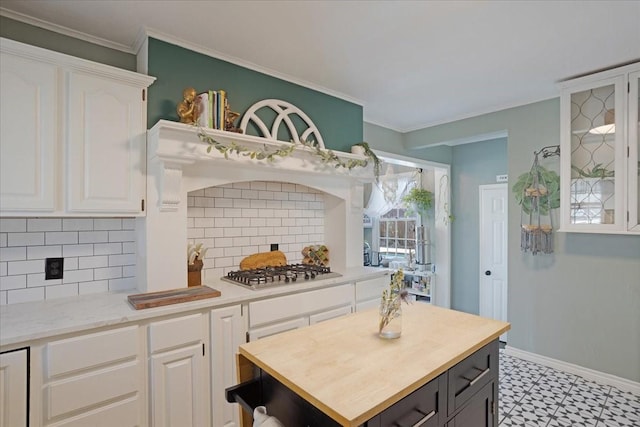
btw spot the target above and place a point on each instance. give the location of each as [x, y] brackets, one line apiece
[274, 246]
[53, 268]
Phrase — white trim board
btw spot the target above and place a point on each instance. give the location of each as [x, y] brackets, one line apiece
[590, 374]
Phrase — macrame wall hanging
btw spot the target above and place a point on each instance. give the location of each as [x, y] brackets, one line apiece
[537, 192]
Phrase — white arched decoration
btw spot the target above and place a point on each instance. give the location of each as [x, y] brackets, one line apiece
[283, 110]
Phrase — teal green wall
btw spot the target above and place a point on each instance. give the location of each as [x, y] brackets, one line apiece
[472, 165]
[580, 304]
[339, 121]
[25, 33]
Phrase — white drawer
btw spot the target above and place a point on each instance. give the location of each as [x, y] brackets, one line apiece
[176, 332]
[84, 391]
[124, 413]
[372, 288]
[92, 350]
[305, 303]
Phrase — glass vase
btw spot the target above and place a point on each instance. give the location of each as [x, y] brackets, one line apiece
[390, 321]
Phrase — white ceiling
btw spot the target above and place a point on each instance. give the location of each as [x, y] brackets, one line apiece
[410, 64]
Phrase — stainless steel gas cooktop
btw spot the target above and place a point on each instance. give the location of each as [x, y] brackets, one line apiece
[267, 277]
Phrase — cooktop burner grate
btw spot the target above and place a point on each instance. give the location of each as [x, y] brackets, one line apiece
[273, 276]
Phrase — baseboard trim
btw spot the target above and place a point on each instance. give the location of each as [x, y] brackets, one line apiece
[591, 374]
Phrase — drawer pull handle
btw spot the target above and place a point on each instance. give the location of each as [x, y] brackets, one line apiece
[424, 419]
[477, 378]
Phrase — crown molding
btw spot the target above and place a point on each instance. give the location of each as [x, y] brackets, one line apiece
[150, 32]
[64, 30]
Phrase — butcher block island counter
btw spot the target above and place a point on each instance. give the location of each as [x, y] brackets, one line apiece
[442, 370]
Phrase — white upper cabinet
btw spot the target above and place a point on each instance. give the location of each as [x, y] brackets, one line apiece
[28, 134]
[599, 152]
[73, 135]
[105, 147]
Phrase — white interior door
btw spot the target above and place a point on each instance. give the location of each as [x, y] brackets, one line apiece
[493, 252]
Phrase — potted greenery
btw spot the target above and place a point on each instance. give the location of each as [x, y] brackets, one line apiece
[418, 200]
[539, 183]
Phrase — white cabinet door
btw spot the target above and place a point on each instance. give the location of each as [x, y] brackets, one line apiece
[330, 314]
[369, 292]
[256, 334]
[178, 388]
[227, 333]
[13, 389]
[105, 145]
[28, 134]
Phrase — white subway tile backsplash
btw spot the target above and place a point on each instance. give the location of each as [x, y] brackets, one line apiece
[213, 192]
[94, 287]
[233, 213]
[93, 262]
[73, 276]
[42, 252]
[251, 213]
[203, 222]
[241, 241]
[266, 195]
[241, 222]
[295, 197]
[223, 242]
[258, 185]
[93, 236]
[232, 193]
[24, 267]
[38, 280]
[70, 263]
[25, 239]
[107, 224]
[107, 273]
[16, 253]
[122, 284]
[128, 223]
[122, 236]
[13, 282]
[119, 260]
[100, 247]
[77, 224]
[213, 232]
[13, 225]
[61, 291]
[128, 247]
[195, 233]
[44, 224]
[274, 186]
[249, 231]
[195, 212]
[250, 194]
[223, 202]
[25, 295]
[61, 237]
[242, 203]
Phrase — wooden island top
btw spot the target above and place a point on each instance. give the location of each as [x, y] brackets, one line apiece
[343, 368]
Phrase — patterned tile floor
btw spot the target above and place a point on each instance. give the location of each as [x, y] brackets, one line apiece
[535, 395]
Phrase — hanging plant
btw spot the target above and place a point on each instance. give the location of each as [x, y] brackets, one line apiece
[418, 200]
[548, 193]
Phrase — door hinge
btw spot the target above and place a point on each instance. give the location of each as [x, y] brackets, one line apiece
[142, 204]
[144, 94]
[246, 336]
[203, 349]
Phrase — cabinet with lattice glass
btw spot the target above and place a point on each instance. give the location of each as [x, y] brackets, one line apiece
[600, 172]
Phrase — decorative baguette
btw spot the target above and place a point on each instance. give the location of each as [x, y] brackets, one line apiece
[264, 259]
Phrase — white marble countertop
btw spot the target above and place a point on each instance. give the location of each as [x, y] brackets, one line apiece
[23, 323]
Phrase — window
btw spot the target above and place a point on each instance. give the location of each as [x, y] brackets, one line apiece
[397, 233]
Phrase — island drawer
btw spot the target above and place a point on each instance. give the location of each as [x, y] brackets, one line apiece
[424, 407]
[470, 375]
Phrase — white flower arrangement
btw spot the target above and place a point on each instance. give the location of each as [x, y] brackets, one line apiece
[195, 252]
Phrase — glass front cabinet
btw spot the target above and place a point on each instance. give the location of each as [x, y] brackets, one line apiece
[599, 145]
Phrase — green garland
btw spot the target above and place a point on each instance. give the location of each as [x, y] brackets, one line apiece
[326, 156]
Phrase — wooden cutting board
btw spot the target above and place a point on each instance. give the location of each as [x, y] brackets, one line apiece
[173, 296]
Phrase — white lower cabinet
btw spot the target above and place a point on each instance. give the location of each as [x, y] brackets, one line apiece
[280, 314]
[13, 388]
[94, 379]
[369, 292]
[228, 329]
[178, 372]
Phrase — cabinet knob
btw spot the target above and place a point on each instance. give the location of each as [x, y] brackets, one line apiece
[487, 273]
